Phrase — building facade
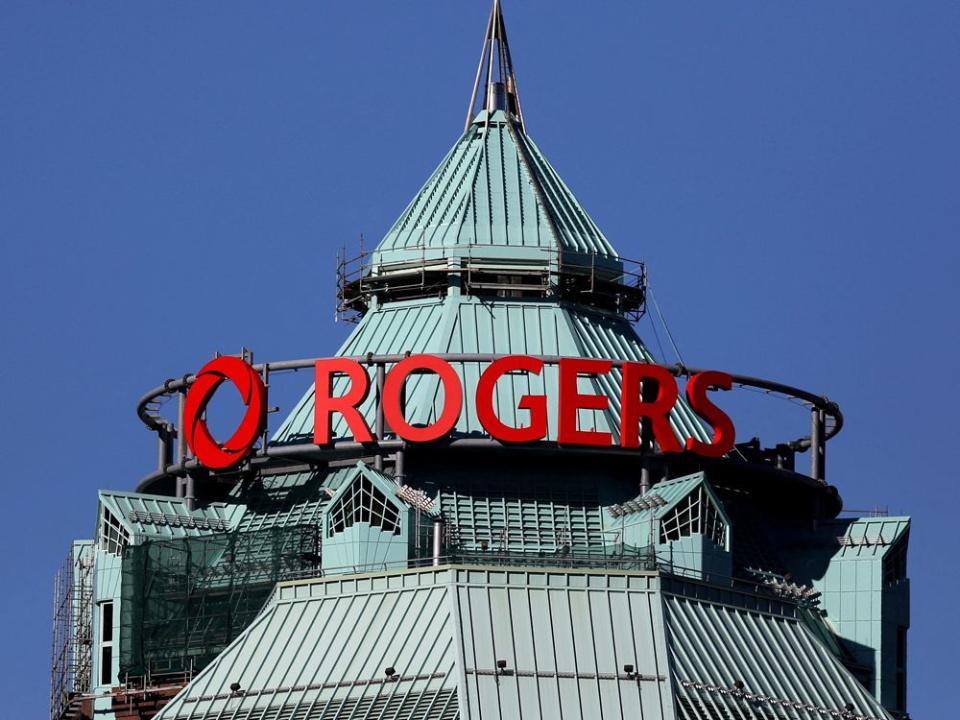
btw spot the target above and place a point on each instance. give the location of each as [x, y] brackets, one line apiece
[468, 576]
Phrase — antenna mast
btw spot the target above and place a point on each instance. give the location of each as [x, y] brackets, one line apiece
[500, 91]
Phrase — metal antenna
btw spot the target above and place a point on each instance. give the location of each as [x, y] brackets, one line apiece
[500, 90]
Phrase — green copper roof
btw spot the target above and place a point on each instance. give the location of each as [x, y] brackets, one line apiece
[493, 189]
[664, 496]
[161, 516]
[457, 324]
[633, 518]
[785, 671]
[319, 651]
[867, 537]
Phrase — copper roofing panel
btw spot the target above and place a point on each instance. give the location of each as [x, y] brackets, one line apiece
[867, 537]
[320, 650]
[784, 670]
[565, 638]
[662, 498]
[162, 516]
[302, 513]
[494, 188]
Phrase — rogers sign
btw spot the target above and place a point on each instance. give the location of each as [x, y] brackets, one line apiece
[655, 407]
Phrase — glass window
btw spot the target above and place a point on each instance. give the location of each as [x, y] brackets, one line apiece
[364, 503]
[106, 643]
[694, 515]
[112, 536]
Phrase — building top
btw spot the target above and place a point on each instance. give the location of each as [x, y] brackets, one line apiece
[362, 569]
[494, 194]
[494, 191]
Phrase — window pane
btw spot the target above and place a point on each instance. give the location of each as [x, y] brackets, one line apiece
[106, 665]
[106, 622]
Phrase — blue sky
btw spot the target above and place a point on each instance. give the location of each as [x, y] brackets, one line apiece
[175, 179]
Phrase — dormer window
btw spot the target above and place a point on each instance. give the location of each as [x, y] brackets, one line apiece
[367, 504]
[112, 536]
[696, 514]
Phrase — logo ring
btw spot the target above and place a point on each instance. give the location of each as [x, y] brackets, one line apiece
[205, 448]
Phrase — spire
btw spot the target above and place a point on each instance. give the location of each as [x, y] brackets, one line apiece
[500, 90]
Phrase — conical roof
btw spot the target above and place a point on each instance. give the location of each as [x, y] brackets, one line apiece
[494, 189]
[496, 209]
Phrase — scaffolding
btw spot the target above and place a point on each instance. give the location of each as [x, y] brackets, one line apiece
[610, 283]
[72, 652]
[183, 601]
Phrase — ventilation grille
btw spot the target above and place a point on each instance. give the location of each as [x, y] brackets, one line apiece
[521, 525]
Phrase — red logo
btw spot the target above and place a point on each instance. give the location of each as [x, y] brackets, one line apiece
[207, 450]
[634, 408]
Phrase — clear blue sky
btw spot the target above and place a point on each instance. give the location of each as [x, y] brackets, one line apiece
[175, 178]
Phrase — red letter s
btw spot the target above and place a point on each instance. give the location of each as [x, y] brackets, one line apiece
[724, 433]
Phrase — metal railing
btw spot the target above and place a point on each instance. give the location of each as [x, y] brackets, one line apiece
[596, 280]
[174, 458]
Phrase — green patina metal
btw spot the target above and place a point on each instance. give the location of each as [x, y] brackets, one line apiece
[762, 650]
[564, 640]
[495, 584]
[161, 516]
[494, 195]
[859, 567]
[368, 525]
[681, 523]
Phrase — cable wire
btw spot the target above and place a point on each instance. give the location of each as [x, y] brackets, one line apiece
[664, 323]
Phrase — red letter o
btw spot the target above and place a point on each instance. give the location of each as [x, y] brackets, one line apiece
[452, 398]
